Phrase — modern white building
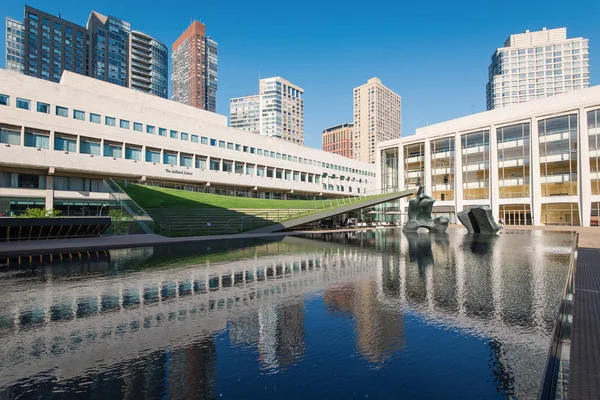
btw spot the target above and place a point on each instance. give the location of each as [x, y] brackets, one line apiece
[377, 117]
[533, 163]
[533, 65]
[59, 140]
[277, 111]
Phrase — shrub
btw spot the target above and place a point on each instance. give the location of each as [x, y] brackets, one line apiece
[39, 213]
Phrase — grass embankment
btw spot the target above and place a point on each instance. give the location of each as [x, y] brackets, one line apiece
[156, 197]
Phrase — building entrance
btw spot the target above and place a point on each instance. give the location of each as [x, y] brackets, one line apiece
[516, 214]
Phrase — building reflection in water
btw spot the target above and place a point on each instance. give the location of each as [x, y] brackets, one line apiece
[150, 326]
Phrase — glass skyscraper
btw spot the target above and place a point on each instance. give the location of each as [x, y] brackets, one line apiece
[15, 45]
[109, 48]
[535, 65]
[149, 65]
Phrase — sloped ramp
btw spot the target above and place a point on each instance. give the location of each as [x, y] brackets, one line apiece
[305, 219]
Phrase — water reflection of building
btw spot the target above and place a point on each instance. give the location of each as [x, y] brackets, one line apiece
[276, 330]
[504, 288]
[124, 317]
[379, 329]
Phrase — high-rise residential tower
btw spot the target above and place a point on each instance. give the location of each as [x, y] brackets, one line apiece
[338, 140]
[280, 110]
[149, 64]
[15, 45]
[534, 65]
[52, 45]
[377, 117]
[194, 68]
[109, 49]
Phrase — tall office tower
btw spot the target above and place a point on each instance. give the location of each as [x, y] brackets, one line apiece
[245, 113]
[109, 49]
[148, 60]
[280, 112]
[194, 63]
[15, 45]
[534, 65]
[377, 117]
[52, 45]
[338, 140]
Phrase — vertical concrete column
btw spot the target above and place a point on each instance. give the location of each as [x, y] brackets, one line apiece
[584, 184]
[401, 182]
[123, 150]
[78, 144]
[49, 191]
[51, 140]
[378, 170]
[535, 184]
[427, 165]
[22, 136]
[101, 146]
[493, 163]
[458, 176]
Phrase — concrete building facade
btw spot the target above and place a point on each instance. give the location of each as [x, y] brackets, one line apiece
[536, 163]
[194, 65]
[280, 110]
[338, 140]
[58, 141]
[377, 118]
[534, 65]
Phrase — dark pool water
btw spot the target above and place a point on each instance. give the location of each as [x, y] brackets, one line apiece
[369, 315]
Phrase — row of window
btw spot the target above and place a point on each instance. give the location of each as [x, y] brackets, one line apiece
[134, 152]
[26, 104]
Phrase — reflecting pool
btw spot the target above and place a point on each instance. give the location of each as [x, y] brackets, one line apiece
[376, 314]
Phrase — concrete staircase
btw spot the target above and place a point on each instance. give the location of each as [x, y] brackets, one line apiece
[216, 221]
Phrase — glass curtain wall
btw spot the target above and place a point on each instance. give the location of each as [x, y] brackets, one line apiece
[442, 169]
[594, 140]
[558, 155]
[414, 165]
[513, 160]
[516, 214]
[475, 148]
[389, 170]
[560, 214]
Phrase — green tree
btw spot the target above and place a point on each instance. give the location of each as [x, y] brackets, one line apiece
[39, 213]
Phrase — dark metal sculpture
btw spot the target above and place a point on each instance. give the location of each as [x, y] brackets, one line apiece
[478, 219]
[419, 215]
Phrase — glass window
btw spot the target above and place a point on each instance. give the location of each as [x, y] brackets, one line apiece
[184, 136]
[200, 162]
[23, 103]
[215, 164]
[65, 144]
[110, 121]
[39, 140]
[259, 152]
[138, 127]
[95, 118]
[186, 160]
[252, 150]
[169, 158]
[250, 169]
[114, 150]
[152, 156]
[245, 149]
[62, 111]
[227, 166]
[124, 124]
[8, 136]
[238, 147]
[221, 144]
[162, 132]
[203, 140]
[133, 153]
[4, 100]
[43, 108]
[213, 142]
[194, 138]
[150, 129]
[229, 146]
[174, 134]
[80, 115]
[89, 147]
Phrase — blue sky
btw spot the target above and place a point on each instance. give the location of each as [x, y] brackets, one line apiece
[433, 54]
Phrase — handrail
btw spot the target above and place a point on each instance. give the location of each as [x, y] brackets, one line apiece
[560, 332]
[136, 212]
